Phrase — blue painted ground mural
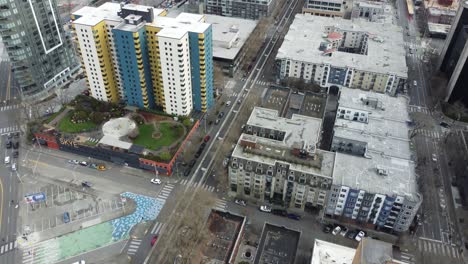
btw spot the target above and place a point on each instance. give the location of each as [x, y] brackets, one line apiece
[147, 209]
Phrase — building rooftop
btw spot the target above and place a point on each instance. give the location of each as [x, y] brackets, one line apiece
[269, 151]
[174, 27]
[438, 28]
[93, 15]
[434, 4]
[387, 136]
[376, 174]
[331, 253]
[277, 245]
[229, 35]
[369, 251]
[298, 129]
[387, 130]
[385, 49]
[223, 230]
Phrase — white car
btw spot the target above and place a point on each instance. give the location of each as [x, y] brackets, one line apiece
[434, 157]
[240, 202]
[73, 162]
[265, 208]
[344, 232]
[336, 231]
[359, 236]
[83, 163]
[156, 181]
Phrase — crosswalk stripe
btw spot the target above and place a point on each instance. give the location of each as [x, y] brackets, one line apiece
[154, 228]
[158, 229]
[11, 245]
[420, 246]
[443, 250]
[454, 252]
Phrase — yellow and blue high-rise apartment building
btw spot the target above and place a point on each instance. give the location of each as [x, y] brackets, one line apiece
[138, 55]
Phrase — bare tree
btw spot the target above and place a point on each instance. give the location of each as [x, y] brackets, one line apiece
[184, 235]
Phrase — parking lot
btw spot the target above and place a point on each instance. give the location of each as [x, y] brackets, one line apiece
[74, 200]
[313, 105]
[275, 98]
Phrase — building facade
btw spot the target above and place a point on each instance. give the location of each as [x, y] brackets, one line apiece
[342, 53]
[276, 160]
[157, 61]
[326, 8]
[248, 9]
[41, 56]
[454, 57]
[374, 182]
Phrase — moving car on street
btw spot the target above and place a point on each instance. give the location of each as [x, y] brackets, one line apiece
[84, 163]
[265, 208]
[76, 162]
[156, 181]
[240, 202]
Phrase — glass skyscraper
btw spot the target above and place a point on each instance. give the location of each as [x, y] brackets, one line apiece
[40, 53]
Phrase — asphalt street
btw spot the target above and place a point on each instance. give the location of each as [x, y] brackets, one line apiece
[437, 226]
[9, 199]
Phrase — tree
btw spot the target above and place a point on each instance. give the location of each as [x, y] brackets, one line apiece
[165, 155]
[187, 123]
[79, 116]
[218, 77]
[459, 110]
[97, 117]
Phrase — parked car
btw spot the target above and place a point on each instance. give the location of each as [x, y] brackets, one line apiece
[265, 208]
[327, 229]
[16, 145]
[76, 162]
[156, 181]
[203, 145]
[13, 167]
[153, 240]
[337, 230]
[101, 167]
[86, 184]
[434, 157]
[192, 163]
[93, 166]
[217, 121]
[240, 202]
[187, 172]
[8, 145]
[228, 103]
[360, 235]
[66, 217]
[7, 160]
[279, 212]
[207, 138]
[344, 231]
[84, 163]
[197, 155]
[15, 154]
[220, 115]
[351, 234]
[9, 135]
[294, 217]
[225, 162]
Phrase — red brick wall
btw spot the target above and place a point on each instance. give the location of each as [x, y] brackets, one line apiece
[50, 139]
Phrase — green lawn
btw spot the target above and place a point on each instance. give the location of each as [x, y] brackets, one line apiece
[67, 126]
[168, 135]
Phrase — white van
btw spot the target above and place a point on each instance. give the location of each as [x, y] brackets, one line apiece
[228, 103]
[7, 159]
[415, 83]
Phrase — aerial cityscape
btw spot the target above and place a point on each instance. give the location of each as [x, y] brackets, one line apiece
[240, 131]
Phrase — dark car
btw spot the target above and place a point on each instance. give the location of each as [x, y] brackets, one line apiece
[17, 134]
[66, 217]
[203, 145]
[351, 234]
[444, 124]
[279, 212]
[187, 172]
[8, 145]
[15, 154]
[221, 115]
[192, 163]
[86, 184]
[327, 228]
[294, 217]
[16, 145]
[198, 154]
